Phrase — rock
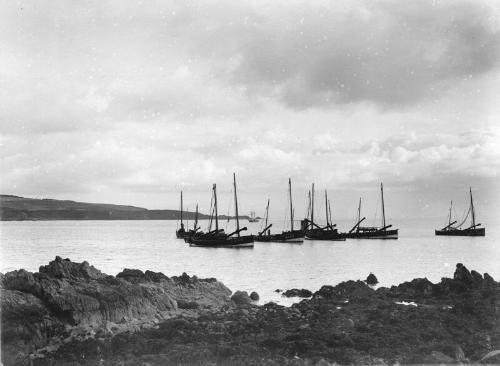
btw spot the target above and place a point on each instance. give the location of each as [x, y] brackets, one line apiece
[460, 355]
[254, 296]
[371, 279]
[64, 268]
[462, 274]
[488, 279]
[278, 290]
[294, 292]
[182, 304]
[492, 357]
[241, 298]
[440, 357]
[39, 306]
[476, 277]
[322, 362]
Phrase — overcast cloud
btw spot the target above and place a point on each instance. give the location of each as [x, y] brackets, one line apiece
[128, 102]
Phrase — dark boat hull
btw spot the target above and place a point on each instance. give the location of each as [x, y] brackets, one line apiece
[181, 234]
[296, 236]
[222, 242]
[376, 234]
[318, 234]
[465, 232]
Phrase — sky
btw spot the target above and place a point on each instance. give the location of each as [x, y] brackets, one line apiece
[130, 102]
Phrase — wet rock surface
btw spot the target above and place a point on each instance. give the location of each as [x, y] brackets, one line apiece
[454, 321]
[295, 292]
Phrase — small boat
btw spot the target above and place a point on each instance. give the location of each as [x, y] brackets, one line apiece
[181, 233]
[372, 232]
[218, 238]
[291, 236]
[316, 232]
[252, 217]
[472, 230]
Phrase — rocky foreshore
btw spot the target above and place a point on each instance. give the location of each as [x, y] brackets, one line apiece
[71, 313]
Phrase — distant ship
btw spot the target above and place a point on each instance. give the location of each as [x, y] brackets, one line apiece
[372, 232]
[472, 230]
[252, 217]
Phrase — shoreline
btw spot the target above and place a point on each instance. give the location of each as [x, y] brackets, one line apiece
[73, 312]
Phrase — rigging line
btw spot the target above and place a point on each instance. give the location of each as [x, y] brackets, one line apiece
[465, 219]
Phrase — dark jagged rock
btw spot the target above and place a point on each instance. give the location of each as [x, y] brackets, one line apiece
[254, 296]
[295, 292]
[488, 279]
[39, 308]
[371, 279]
[416, 322]
[241, 298]
[462, 274]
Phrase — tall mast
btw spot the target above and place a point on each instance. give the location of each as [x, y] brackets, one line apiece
[472, 208]
[449, 216]
[383, 208]
[196, 218]
[312, 206]
[182, 223]
[330, 212]
[215, 206]
[359, 209]
[267, 212]
[326, 208]
[236, 205]
[291, 205]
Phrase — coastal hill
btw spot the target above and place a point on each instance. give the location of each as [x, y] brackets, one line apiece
[14, 208]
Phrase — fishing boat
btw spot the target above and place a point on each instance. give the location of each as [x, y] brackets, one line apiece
[372, 232]
[328, 232]
[218, 238]
[181, 232]
[472, 230]
[290, 236]
[252, 217]
[195, 231]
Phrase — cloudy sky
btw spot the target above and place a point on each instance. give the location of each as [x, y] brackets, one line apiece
[130, 101]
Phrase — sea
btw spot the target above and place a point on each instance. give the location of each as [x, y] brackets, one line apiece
[112, 246]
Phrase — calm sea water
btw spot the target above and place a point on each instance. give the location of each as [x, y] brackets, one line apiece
[112, 246]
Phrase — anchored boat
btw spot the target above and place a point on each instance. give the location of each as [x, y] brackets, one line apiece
[217, 238]
[472, 230]
[252, 217]
[372, 232]
[328, 232]
[291, 236]
[181, 232]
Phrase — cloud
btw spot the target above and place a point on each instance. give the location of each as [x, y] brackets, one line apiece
[389, 53]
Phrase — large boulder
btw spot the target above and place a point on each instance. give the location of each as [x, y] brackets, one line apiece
[371, 279]
[241, 298]
[462, 274]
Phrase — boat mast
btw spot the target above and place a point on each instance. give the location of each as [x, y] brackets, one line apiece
[236, 205]
[215, 206]
[267, 211]
[472, 209]
[359, 210]
[326, 208]
[383, 208]
[291, 205]
[449, 216]
[182, 223]
[330, 211]
[196, 218]
[312, 206]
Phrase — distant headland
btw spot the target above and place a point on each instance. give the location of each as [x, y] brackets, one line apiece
[15, 208]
